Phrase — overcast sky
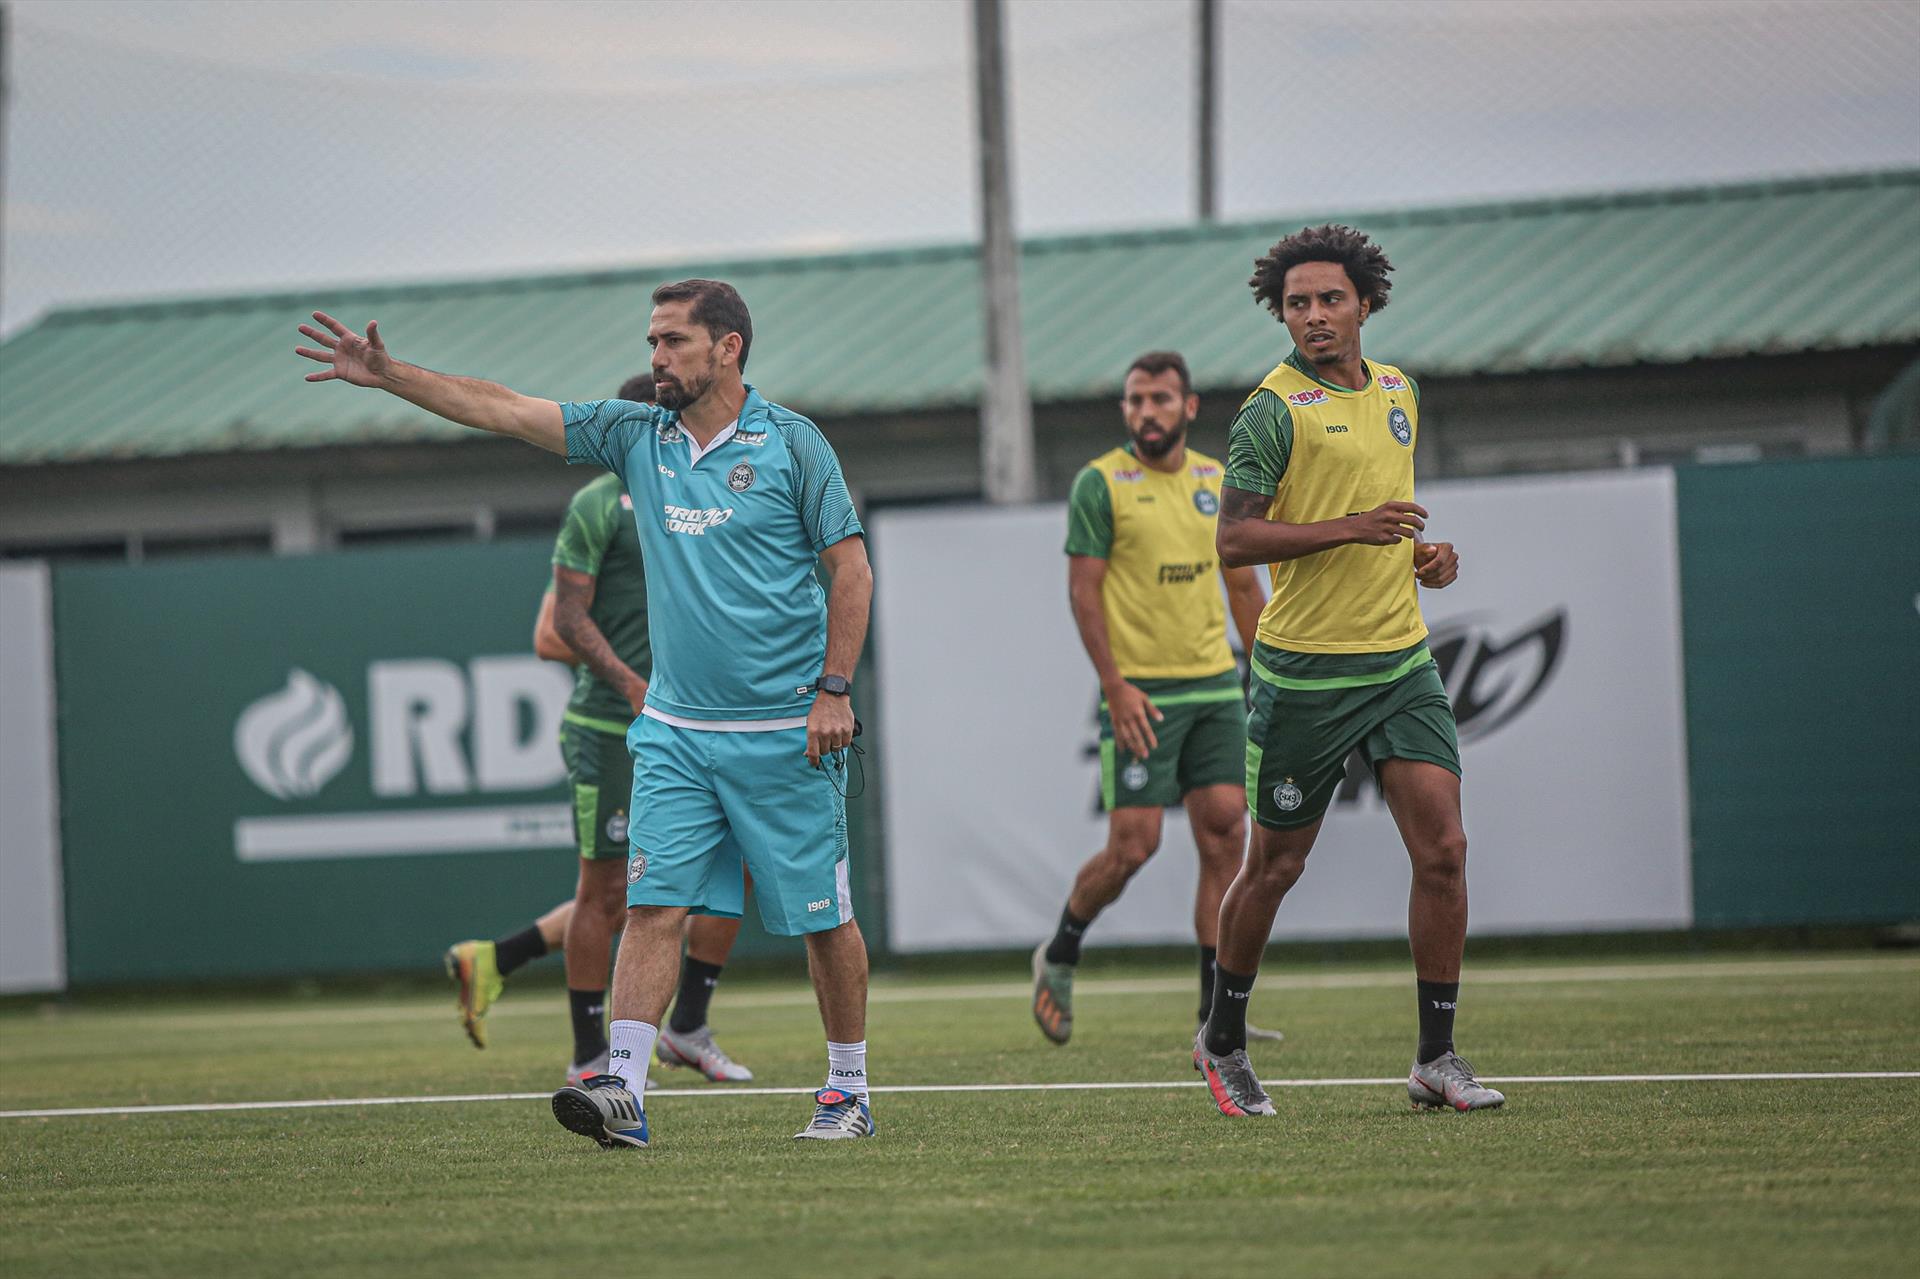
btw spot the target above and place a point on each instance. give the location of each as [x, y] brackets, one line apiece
[198, 146]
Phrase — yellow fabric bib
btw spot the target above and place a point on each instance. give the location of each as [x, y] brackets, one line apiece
[1352, 450]
[1166, 616]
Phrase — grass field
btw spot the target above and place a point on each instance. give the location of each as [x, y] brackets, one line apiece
[1704, 1177]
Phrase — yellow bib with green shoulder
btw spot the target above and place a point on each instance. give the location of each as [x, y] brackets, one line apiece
[1352, 450]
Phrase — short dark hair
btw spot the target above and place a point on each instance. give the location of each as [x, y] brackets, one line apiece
[1157, 362]
[638, 389]
[1363, 260]
[717, 307]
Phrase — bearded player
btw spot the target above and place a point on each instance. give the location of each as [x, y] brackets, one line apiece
[1319, 486]
[1146, 597]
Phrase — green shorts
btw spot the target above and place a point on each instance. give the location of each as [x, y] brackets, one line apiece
[600, 776]
[1202, 743]
[1312, 710]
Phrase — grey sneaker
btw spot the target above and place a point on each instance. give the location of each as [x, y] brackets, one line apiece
[602, 1108]
[697, 1049]
[581, 1071]
[837, 1116]
[1447, 1082]
[1052, 996]
[1235, 1088]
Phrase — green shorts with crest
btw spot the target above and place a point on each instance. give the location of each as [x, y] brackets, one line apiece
[600, 783]
[1202, 742]
[1311, 710]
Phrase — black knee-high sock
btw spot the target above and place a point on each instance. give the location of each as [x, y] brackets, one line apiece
[1206, 981]
[1437, 1002]
[1227, 1022]
[522, 947]
[589, 1034]
[697, 980]
[1065, 946]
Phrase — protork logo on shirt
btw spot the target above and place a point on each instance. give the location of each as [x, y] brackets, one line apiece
[686, 519]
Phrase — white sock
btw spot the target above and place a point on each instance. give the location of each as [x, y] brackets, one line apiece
[631, 1050]
[847, 1067]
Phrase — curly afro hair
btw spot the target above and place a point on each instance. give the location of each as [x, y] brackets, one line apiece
[1365, 264]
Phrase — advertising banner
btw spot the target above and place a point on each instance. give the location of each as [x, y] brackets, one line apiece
[1559, 646]
[32, 950]
[295, 765]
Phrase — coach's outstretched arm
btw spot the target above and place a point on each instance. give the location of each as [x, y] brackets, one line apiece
[363, 361]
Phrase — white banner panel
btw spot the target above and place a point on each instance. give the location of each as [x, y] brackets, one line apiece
[33, 953]
[1560, 645]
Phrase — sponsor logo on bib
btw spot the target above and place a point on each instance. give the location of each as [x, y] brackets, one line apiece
[1300, 399]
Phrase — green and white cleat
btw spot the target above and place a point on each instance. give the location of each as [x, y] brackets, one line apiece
[1052, 996]
[601, 1107]
[1236, 1089]
[1447, 1083]
[697, 1049]
[472, 964]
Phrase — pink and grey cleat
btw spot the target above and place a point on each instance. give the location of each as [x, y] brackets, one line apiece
[1236, 1089]
[1447, 1083]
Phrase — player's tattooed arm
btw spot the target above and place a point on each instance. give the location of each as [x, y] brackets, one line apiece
[1246, 536]
[572, 596]
[547, 644]
[486, 406]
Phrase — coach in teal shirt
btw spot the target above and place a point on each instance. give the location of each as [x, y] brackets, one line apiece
[740, 749]
[731, 534]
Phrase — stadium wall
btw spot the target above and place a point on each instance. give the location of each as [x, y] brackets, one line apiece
[1802, 626]
[1687, 698]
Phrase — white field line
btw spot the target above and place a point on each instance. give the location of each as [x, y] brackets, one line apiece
[330, 1103]
[906, 991]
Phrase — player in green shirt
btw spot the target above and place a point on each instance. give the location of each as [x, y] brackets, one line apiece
[595, 619]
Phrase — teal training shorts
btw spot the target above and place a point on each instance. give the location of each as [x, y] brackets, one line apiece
[709, 804]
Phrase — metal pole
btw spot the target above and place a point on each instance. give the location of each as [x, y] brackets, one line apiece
[1206, 83]
[1006, 414]
[6, 90]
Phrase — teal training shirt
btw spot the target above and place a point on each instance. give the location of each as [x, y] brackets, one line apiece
[736, 615]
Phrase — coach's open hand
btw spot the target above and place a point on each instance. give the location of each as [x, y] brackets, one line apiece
[829, 726]
[1435, 564]
[361, 361]
[1133, 716]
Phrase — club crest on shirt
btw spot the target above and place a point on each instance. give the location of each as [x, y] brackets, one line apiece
[1205, 502]
[1392, 382]
[1397, 423]
[617, 829]
[1134, 775]
[740, 478]
[1300, 399]
[1287, 796]
[636, 867]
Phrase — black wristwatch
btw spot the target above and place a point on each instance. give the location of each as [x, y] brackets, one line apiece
[838, 685]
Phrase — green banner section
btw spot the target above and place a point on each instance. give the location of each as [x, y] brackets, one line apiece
[1800, 599]
[322, 764]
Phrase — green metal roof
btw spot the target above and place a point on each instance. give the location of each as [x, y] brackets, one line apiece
[1652, 277]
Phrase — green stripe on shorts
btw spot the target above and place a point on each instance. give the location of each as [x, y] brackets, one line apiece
[598, 725]
[1413, 662]
[586, 816]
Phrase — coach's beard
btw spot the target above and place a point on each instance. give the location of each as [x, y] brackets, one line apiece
[676, 395]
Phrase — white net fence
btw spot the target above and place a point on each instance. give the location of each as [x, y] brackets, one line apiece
[157, 156]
